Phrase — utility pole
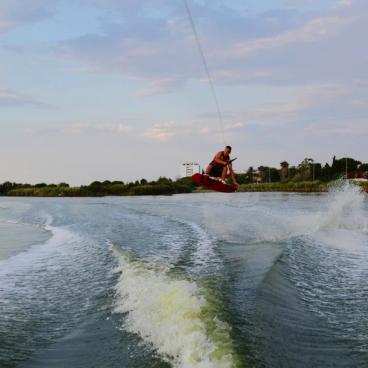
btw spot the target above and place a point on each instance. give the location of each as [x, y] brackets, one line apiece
[269, 175]
[346, 167]
[313, 173]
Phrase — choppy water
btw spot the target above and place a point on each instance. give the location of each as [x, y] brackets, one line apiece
[202, 280]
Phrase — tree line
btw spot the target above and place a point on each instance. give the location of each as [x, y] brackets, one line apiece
[295, 177]
[162, 186]
[307, 170]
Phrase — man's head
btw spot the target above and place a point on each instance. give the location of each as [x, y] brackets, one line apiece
[227, 150]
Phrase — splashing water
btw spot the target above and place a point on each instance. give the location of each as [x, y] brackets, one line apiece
[172, 315]
[345, 210]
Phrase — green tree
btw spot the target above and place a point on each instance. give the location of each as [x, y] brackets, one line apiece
[363, 167]
[250, 174]
[305, 169]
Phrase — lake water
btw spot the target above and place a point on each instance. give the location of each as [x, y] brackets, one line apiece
[194, 280]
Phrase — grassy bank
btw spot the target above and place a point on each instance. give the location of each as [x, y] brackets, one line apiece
[161, 187]
[304, 187]
[299, 187]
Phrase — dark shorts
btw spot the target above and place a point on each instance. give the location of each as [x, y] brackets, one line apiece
[216, 171]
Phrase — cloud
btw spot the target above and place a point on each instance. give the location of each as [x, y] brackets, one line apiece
[9, 97]
[312, 31]
[324, 50]
[82, 128]
[158, 87]
[5, 24]
[345, 2]
[280, 46]
[322, 102]
[355, 127]
[161, 132]
[360, 103]
[87, 128]
[159, 46]
[140, 129]
[16, 13]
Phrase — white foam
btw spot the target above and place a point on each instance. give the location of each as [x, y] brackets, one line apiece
[37, 256]
[172, 315]
[353, 242]
[346, 208]
[204, 254]
[342, 209]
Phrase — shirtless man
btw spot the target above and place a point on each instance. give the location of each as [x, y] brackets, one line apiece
[220, 165]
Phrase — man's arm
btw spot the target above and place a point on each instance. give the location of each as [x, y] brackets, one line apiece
[218, 159]
[233, 175]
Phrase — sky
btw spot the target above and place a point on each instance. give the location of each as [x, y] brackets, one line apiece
[116, 89]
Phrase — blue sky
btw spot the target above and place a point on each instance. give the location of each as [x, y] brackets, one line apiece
[114, 89]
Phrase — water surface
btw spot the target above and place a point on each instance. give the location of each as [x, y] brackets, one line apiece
[195, 280]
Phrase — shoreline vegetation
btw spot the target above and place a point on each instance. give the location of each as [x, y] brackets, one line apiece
[307, 177]
[163, 186]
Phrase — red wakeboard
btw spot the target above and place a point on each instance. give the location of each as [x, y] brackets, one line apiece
[213, 184]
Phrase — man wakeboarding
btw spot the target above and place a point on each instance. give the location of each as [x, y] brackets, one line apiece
[220, 165]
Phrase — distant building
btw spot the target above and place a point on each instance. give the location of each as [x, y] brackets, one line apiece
[262, 174]
[189, 169]
[257, 178]
[284, 171]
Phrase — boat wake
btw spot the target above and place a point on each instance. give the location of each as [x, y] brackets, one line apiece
[171, 314]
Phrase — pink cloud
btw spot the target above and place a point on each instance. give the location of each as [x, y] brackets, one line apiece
[9, 97]
[312, 31]
[160, 132]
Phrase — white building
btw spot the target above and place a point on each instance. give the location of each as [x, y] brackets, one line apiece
[189, 169]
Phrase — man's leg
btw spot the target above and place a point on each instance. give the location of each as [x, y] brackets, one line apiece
[208, 170]
[224, 173]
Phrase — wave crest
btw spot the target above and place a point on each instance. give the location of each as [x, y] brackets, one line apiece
[172, 315]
